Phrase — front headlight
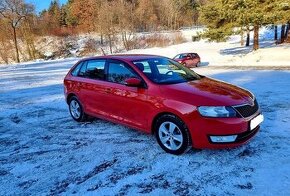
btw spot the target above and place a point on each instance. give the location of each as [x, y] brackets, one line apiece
[218, 111]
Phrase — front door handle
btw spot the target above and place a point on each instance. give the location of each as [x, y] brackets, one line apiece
[108, 90]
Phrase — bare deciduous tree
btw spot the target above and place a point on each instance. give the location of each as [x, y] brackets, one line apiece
[13, 12]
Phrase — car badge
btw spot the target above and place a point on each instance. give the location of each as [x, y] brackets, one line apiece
[251, 102]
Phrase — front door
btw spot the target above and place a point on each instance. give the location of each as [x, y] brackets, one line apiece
[128, 104]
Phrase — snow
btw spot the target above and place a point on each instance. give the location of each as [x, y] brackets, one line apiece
[229, 53]
[43, 151]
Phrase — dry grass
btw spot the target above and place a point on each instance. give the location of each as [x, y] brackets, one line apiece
[156, 40]
[90, 48]
[178, 38]
[63, 32]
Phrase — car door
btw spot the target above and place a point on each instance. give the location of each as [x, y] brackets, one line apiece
[93, 87]
[189, 60]
[195, 58]
[128, 104]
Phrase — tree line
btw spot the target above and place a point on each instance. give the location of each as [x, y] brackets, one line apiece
[226, 17]
[20, 25]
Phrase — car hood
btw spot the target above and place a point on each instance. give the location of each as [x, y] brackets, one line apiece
[207, 92]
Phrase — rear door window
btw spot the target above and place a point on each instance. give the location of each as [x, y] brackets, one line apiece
[96, 69]
[93, 69]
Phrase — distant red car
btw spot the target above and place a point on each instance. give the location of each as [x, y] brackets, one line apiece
[160, 96]
[189, 60]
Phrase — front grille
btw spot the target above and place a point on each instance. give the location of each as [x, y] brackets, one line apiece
[247, 135]
[247, 110]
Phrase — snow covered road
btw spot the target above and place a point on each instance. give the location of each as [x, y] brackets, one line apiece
[43, 151]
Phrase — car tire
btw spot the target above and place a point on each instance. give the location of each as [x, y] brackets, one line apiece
[76, 110]
[172, 134]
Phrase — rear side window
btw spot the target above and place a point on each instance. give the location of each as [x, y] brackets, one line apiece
[183, 56]
[194, 55]
[118, 73]
[76, 70]
[82, 71]
[93, 69]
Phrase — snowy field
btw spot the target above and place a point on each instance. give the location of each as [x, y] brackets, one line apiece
[44, 152]
[230, 53]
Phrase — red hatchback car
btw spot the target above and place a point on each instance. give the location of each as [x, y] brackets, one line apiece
[160, 96]
[189, 60]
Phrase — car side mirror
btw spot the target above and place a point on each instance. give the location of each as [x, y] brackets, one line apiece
[133, 82]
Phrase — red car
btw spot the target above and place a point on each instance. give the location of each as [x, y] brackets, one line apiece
[189, 60]
[160, 96]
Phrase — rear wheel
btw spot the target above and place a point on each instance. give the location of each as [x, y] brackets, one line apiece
[76, 110]
[172, 134]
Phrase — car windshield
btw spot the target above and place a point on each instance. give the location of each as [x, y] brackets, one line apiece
[181, 56]
[165, 71]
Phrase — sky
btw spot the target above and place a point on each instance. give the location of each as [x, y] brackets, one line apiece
[42, 4]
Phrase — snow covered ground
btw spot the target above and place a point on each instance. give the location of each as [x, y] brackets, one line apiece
[43, 151]
[229, 53]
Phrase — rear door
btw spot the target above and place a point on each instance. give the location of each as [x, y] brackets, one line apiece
[93, 86]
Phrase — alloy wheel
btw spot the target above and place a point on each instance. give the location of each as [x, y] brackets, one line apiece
[170, 135]
[75, 109]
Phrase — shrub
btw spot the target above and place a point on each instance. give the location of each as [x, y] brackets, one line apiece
[178, 38]
[90, 48]
[63, 32]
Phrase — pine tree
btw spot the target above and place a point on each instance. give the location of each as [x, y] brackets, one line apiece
[54, 14]
[215, 15]
[221, 16]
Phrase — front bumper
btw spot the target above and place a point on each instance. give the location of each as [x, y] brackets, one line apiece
[239, 138]
[205, 135]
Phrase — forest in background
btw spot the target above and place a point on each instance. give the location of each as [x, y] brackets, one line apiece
[118, 21]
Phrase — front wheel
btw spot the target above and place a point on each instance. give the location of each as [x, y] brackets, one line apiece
[172, 134]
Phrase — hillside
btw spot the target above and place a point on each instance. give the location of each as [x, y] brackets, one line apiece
[228, 53]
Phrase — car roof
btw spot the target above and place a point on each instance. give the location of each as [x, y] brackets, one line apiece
[187, 53]
[124, 57]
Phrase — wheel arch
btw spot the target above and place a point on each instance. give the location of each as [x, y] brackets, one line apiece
[69, 96]
[157, 116]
